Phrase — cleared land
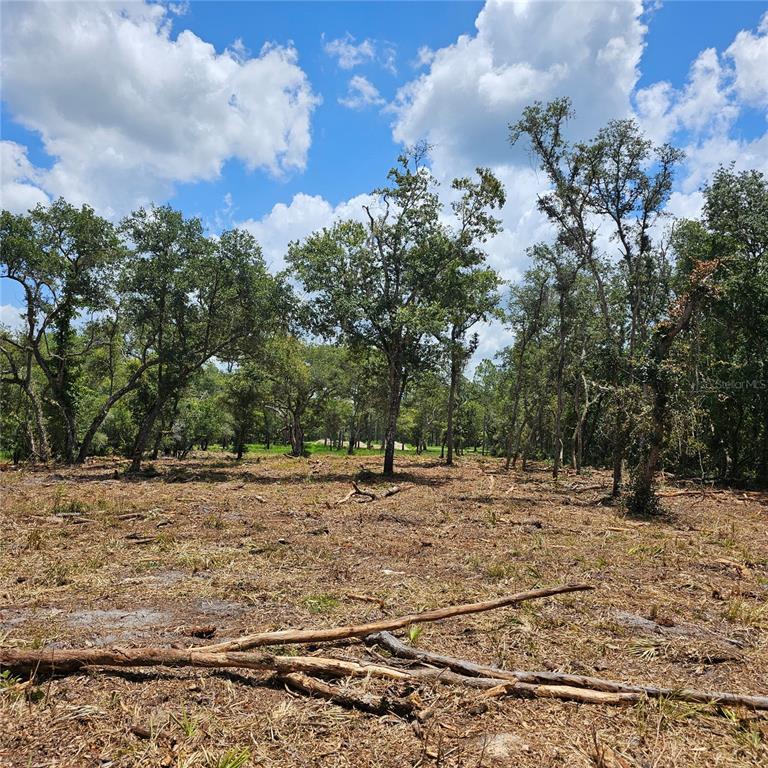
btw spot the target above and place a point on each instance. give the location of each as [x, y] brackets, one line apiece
[212, 546]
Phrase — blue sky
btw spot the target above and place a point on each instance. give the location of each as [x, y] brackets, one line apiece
[123, 104]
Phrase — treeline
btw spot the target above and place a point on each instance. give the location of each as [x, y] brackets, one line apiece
[640, 341]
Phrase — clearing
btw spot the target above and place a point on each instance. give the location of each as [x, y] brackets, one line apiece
[211, 547]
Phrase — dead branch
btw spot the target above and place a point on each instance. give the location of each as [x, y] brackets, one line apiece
[367, 599]
[377, 705]
[690, 492]
[284, 636]
[560, 685]
[294, 670]
[66, 661]
[364, 495]
[392, 490]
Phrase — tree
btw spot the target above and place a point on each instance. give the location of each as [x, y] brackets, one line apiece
[301, 377]
[469, 288]
[193, 299]
[527, 315]
[64, 259]
[642, 499]
[374, 283]
[721, 367]
[382, 284]
[618, 182]
[245, 392]
[565, 266]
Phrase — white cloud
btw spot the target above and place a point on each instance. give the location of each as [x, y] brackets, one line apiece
[424, 56]
[19, 180]
[361, 93]
[749, 53]
[527, 51]
[388, 58]
[348, 53]
[126, 110]
[302, 216]
[10, 317]
[702, 106]
[702, 115]
[521, 52]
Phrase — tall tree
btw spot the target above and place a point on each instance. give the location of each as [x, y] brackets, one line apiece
[63, 258]
[469, 287]
[374, 283]
[619, 183]
[193, 299]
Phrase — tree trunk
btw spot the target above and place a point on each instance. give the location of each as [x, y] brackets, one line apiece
[449, 439]
[40, 445]
[618, 460]
[353, 428]
[142, 438]
[395, 394]
[297, 436]
[581, 409]
[557, 448]
[101, 414]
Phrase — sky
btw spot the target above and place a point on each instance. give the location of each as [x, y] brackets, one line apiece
[281, 117]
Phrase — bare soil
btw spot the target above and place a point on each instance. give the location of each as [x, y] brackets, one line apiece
[213, 546]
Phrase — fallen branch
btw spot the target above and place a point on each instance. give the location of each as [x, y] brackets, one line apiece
[371, 495]
[688, 492]
[560, 685]
[294, 670]
[66, 661]
[285, 636]
[376, 705]
[367, 599]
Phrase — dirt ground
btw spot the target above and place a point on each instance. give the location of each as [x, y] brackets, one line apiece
[89, 557]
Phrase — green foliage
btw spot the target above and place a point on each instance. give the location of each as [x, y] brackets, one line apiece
[642, 346]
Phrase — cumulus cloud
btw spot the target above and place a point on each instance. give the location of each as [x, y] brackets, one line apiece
[302, 216]
[19, 180]
[702, 106]
[361, 93]
[701, 116]
[749, 53]
[126, 110]
[521, 52]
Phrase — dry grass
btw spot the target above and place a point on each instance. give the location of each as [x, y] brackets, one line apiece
[90, 558]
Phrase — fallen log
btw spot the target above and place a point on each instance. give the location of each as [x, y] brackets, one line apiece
[284, 636]
[521, 679]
